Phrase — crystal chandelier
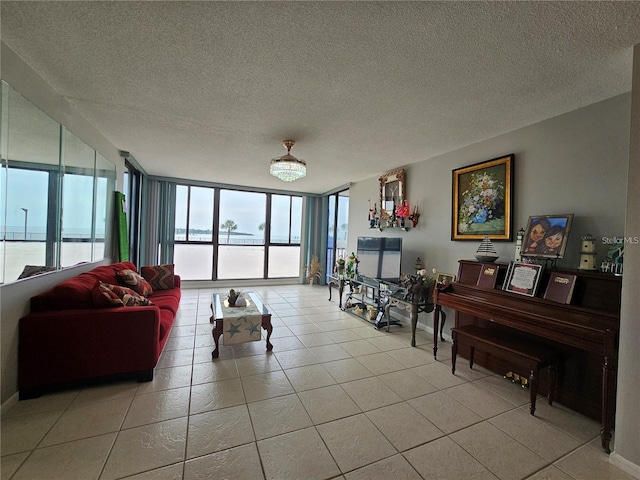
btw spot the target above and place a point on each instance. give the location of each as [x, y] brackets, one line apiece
[287, 167]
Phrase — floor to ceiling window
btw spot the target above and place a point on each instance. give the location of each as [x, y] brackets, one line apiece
[338, 228]
[223, 234]
[285, 233]
[194, 247]
[132, 188]
[241, 250]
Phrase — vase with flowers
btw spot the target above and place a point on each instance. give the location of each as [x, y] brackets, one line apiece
[340, 265]
[482, 201]
[402, 212]
[314, 270]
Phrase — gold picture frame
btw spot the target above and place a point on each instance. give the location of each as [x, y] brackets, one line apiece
[482, 200]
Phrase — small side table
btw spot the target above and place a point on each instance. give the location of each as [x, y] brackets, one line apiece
[337, 281]
[414, 308]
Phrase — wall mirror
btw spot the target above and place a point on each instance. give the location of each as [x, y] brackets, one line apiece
[392, 192]
[56, 193]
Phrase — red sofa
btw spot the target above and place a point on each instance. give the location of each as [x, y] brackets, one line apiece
[66, 339]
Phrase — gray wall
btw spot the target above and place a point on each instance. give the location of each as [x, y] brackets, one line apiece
[575, 163]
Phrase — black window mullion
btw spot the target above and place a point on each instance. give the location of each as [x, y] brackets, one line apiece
[52, 206]
[267, 237]
[216, 232]
[188, 212]
[290, 216]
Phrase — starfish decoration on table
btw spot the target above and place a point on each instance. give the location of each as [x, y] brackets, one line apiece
[254, 328]
[233, 329]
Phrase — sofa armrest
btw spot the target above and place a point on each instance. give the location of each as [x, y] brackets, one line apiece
[176, 281]
[67, 345]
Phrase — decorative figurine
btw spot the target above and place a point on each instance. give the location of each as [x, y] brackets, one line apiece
[519, 240]
[414, 216]
[588, 253]
[486, 251]
[372, 214]
[352, 265]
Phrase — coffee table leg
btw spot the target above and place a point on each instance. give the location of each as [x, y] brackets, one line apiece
[216, 332]
[266, 324]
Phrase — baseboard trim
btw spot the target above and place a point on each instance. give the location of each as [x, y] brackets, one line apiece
[625, 465]
[13, 399]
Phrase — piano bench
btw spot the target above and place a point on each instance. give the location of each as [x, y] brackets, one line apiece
[517, 350]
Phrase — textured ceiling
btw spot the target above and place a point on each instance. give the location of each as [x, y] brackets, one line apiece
[208, 90]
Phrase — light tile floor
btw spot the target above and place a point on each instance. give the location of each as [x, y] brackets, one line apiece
[334, 399]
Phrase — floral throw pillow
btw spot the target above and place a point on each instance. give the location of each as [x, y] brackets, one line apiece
[106, 295]
[159, 276]
[103, 296]
[135, 282]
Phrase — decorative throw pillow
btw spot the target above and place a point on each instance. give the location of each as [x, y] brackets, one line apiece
[135, 282]
[31, 270]
[103, 296]
[159, 276]
[129, 297]
[115, 293]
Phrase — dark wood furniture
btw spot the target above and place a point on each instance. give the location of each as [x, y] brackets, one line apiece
[532, 356]
[585, 332]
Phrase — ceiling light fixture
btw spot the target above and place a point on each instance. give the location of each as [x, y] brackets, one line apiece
[287, 167]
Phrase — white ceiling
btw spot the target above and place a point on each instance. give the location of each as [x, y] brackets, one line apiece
[208, 90]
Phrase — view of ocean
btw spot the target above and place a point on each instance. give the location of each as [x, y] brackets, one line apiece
[193, 262]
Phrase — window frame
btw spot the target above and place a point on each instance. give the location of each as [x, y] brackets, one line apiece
[267, 244]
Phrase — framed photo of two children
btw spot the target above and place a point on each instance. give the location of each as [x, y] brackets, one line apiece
[546, 235]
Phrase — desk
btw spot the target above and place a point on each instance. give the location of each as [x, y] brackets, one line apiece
[255, 310]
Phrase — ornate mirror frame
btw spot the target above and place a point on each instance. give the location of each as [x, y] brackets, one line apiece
[392, 191]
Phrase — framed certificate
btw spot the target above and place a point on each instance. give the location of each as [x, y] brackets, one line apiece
[523, 278]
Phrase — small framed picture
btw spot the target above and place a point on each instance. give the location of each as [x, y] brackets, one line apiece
[369, 292]
[546, 235]
[523, 278]
[442, 278]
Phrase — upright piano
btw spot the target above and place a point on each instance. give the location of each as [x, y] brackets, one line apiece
[585, 331]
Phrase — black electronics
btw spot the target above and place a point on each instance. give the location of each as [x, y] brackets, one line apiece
[380, 257]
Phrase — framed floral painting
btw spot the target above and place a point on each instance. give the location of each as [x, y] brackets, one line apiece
[482, 200]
